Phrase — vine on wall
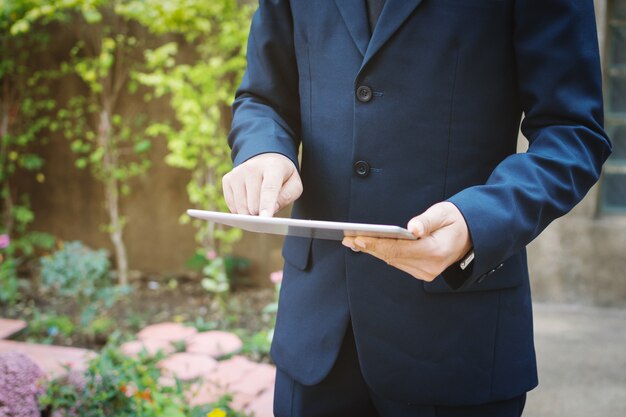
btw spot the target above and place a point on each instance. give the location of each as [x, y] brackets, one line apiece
[113, 55]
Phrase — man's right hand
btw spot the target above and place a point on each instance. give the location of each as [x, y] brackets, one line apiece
[262, 185]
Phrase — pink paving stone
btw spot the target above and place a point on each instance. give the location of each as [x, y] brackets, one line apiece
[170, 332]
[231, 371]
[167, 381]
[214, 343]
[263, 405]
[187, 366]
[9, 327]
[207, 393]
[241, 401]
[258, 380]
[152, 347]
[50, 358]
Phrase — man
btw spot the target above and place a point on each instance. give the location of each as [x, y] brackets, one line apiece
[407, 108]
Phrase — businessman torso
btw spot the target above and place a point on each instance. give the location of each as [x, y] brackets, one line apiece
[421, 111]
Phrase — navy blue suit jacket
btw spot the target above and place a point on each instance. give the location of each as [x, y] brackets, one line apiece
[450, 81]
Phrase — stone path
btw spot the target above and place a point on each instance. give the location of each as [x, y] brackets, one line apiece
[9, 327]
[51, 359]
[581, 353]
[190, 356]
[250, 384]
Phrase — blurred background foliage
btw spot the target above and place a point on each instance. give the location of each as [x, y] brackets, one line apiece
[73, 74]
[189, 52]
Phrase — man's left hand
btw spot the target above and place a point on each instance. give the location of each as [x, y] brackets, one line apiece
[443, 239]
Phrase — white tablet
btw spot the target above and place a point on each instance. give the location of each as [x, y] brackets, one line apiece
[317, 229]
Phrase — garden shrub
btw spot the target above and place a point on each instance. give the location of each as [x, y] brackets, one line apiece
[48, 326]
[81, 273]
[75, 269]
[117, 385]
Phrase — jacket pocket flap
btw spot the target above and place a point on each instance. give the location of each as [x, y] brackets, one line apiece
[297, 251]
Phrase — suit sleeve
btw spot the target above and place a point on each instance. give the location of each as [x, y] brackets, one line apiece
[560, 86]
[266, 115]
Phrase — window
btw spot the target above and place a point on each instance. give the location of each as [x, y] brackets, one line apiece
[613, 189]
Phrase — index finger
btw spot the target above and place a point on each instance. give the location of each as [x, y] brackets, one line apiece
[270, 188]
[390, 249]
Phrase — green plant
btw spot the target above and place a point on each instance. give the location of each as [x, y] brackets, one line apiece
[16, 251]
[82, 274]
[24, 101]
[258, 345]
[116, 385]
[218, 273]
[200, 94]
[216, 282]
[234, 266]
[221, 408]
[111, 146]
[100, 326]
[202, 325]
[47, 327]
[8, 282]
[25, 114]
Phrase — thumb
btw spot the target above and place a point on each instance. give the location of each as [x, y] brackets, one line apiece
[430, 221]
[291, 191]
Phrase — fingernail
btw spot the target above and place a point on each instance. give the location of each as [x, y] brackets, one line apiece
[348, 245]
[419, 226]
[360, 243]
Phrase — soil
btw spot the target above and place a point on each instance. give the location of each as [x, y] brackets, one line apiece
[153, 299]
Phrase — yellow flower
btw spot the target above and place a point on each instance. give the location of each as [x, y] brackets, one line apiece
[40, 178]
[218, 412]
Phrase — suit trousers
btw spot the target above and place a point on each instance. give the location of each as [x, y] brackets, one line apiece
[344, 393]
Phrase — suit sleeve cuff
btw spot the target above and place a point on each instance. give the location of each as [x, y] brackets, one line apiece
[242, 154]
[456, 277]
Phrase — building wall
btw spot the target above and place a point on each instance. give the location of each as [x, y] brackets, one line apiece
[581, 257]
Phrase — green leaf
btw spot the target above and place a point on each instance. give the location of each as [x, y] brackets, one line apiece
[142, 146]
[92, 16]
[76, 145]
[81, 163]
[32, 162]
[172, 411]
[20, 27]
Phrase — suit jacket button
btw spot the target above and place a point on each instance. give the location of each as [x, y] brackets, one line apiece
[362, 169]
[364, 94]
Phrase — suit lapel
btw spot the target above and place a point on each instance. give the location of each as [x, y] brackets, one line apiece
[394, 14]
[354, 14]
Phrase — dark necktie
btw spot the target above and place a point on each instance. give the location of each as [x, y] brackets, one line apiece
[374, 7]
